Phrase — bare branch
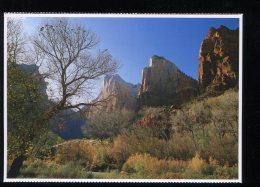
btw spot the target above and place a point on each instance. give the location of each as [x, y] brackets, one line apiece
[66, 59]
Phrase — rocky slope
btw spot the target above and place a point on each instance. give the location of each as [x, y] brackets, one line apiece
[164, 84]
[218, 60]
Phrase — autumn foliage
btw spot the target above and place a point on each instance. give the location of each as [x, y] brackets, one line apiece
[201, 143]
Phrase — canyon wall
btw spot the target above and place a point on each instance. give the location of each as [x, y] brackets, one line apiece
[219, 60]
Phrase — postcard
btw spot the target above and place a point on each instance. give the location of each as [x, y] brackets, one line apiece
[123, 98]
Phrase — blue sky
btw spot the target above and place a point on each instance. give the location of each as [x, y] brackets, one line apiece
[132, 41]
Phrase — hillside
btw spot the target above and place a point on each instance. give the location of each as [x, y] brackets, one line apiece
[202, 143]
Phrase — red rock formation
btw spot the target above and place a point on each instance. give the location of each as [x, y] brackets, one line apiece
[147, 122]
[219, 60]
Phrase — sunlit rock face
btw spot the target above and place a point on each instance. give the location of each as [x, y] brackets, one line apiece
[219, 60]
[164, 84]
[121, 94]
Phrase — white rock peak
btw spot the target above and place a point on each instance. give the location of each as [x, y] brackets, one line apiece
[158, 61]
[125, 93]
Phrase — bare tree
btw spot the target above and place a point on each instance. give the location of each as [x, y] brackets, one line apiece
[16, 41]
[65, 52]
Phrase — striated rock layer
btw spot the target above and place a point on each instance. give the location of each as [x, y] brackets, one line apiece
[164, 84]
[219, 60]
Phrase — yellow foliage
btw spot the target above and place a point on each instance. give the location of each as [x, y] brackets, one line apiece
[197, 164]
[119, 152]
[85, 151]
[148, 166]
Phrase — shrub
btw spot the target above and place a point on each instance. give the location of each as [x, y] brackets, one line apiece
[72, 170]
[224, 150]
[197, 164]
[49, 169]
[208, 169]
[100, 159]
[211, 125]
[226, 172]
[119, 151]
[75, 151]
[40, 169]
[103, 124]
[191, 174]
[170, 175]
[155, 120]
[146, 166]
[93, 155]
[151, 111]
[47, 141]
[181, 146]
[137, 141]
[233, 172]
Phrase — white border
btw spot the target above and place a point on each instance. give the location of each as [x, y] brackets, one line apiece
[240, 97]
[240, 16]
[5, 98]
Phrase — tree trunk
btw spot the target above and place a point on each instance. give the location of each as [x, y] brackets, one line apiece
[16, 166]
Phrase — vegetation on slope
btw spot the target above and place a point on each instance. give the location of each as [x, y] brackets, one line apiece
[199, 140]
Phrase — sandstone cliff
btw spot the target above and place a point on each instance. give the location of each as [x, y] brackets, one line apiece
[219, 60]
[121, 94]
[164, 84]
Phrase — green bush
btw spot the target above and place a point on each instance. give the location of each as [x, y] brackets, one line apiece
[47, 141]
[39, 169]
[224, 172]
[49, 169]
[73, 170]
[181, 146]
[191, 174]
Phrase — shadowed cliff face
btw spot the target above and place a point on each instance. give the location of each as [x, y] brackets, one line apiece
[219, 60]
[164, 84]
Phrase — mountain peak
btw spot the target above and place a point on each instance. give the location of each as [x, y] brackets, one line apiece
[164, 84]
[126, 93]
[111, 79]
[114, 77]
[159, 61]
